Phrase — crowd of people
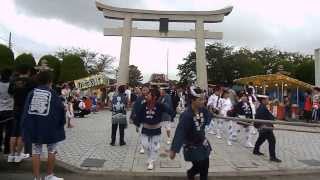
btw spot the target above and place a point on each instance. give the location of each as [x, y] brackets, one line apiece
[34, 112]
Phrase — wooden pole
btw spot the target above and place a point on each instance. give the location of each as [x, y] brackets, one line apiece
[268, 121]
[284, 129]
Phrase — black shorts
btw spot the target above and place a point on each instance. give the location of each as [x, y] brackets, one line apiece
[6, 116]
[17, 129]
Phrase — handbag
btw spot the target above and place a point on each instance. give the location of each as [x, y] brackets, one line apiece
[197, 152]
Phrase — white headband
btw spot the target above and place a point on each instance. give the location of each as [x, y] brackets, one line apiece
[193, 93]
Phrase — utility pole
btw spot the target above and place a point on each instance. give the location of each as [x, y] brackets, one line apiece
[10, 42]
[167, 64]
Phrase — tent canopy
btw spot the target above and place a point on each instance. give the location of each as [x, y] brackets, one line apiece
[273, 81]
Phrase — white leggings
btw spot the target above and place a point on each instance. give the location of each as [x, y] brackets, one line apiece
[226, 126]
[246, 129]
[151, 144]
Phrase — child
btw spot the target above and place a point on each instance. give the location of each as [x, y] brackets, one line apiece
[94, 101]
[43, 122]
[70, 112]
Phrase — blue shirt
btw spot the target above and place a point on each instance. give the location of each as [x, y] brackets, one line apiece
[151, 116]
[191, 133]
[43, 118]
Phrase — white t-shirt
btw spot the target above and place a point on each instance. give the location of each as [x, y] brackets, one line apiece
[6, 100]
[82, 105]
[128, 93]
[212, 101]
[225, 106]
[110, 95]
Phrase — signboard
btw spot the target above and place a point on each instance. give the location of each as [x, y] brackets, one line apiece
[91, 81]
[159, 78]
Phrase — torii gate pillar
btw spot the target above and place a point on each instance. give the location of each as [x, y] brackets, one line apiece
[201, 63]
[125, 52]
[317, 67]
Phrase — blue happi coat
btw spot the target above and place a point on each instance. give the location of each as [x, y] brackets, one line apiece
[191, 135]
[43, 117]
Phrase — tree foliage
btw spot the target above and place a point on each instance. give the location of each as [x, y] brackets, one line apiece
[226, 63]
[52, 62]
[6, 57]
[187, 71]
[72, 68]
[306, 71]
[135, 76]
[25, 59]
[93, 62]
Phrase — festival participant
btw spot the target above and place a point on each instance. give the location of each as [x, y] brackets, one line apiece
[253, 102]
[225, 106]
[243, 110]
[83, 109]
[175, 99]
[6, 111]
[166, 118]
[19, 87]
[212, 105]
[316, 104]
[265, 134]
[119, 115]
[307, 109]
[136, 108]
[149, 116]
[43, 122]
[94, 102]
[70, 111]
[190, 134]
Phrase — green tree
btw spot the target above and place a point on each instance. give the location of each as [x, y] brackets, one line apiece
[268, 57]
[52, 62]
[94, 62]
[245, 65]
[72, 68]
[305, 71]
[135, 76]
[6, 57]
[225, 63]
[103, 64]
[220, 63]
[187, 70]
[25, 59]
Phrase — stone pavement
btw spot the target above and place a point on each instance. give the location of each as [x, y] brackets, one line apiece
[90, 138]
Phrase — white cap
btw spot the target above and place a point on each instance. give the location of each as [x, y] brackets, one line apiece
[262, 96]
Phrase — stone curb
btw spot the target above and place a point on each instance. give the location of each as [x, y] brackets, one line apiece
[121, 175]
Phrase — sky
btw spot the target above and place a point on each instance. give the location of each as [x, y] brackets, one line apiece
[44, 26]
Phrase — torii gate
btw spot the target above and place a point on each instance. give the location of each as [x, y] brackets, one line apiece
[197, 17]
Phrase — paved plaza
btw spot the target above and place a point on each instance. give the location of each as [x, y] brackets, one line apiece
[89, 140]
